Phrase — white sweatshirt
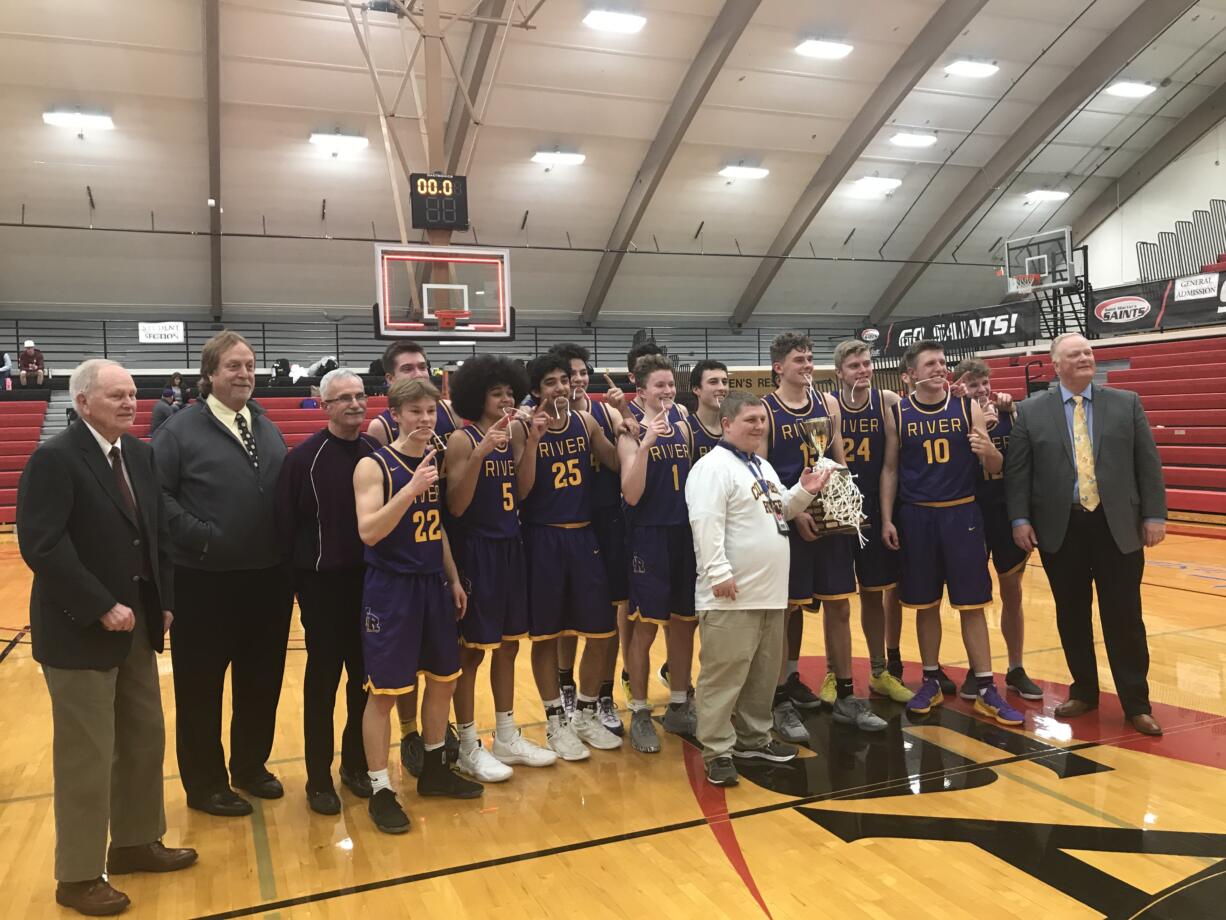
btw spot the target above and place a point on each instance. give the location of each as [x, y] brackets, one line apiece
[735, 534]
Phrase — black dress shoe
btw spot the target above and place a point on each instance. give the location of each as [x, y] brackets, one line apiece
[263, 787]
[151, 857]
[94, 898]
[225, 804]
[357, 782]
[324, 803]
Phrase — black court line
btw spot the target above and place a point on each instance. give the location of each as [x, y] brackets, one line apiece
[14, 642]
[513, 858]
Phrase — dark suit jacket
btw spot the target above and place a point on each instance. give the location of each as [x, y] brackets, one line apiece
[1040, 469]
[86, 552]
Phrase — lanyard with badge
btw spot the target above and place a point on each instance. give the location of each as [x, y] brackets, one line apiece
[755, 469]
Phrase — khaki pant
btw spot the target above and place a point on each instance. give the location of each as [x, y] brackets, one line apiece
[738, 671]
[107, 754]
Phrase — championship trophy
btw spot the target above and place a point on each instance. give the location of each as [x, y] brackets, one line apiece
[839, 506]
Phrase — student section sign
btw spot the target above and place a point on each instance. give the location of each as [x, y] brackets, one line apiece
[1194, 300]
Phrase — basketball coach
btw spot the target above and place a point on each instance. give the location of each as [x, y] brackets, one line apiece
[91, 525]
[218, 461]
[1084, 483]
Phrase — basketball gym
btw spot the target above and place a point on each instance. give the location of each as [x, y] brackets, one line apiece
[325, 176]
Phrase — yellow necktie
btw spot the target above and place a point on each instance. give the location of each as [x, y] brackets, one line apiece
[1083, 450]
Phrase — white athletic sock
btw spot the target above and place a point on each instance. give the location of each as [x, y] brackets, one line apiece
[584, 698]
[793, 666]
[636, 705]
[678, 696]
[378, 780]
[434, 747]
[504, 726]
[1014, 665]
[468, 737]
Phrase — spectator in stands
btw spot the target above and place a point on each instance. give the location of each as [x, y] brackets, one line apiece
[163, 409]
[219, 460]
[93, 531]
[1083, 481]
[6, 368]
[175, 385]
[30, 363]
[317, 518]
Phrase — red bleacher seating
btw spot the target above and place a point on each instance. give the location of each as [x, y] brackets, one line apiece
[21, 424]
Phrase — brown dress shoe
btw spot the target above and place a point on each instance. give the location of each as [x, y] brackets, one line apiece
[94, 898]
[1071, 709]
[150, 857]
[1146, 724]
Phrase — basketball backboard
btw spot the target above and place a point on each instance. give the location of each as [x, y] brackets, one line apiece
[1042, 261]
[443, 292]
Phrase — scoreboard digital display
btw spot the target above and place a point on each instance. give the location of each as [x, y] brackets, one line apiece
[438, 202]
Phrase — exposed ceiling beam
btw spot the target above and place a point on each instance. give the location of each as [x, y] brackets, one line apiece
[473, 67]
[1146, 22]
[945, 25]
[725, 32]
[1191, 128]
[212, 106]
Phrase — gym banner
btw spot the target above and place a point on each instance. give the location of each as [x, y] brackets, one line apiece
[969, 330]
[1194, 300]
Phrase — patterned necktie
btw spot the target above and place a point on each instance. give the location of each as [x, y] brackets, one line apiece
[121, 483]
[248, 441]
[1083, 450]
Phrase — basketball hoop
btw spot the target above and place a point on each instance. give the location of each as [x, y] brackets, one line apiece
[447, 318]
[1025, 284]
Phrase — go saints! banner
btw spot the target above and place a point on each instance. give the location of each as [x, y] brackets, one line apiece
[1174, 303]
[969, 330]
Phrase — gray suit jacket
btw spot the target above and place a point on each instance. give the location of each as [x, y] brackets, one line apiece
[221, 510]
[1040, 469]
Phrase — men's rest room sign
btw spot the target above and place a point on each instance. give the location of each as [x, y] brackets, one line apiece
[167, 333]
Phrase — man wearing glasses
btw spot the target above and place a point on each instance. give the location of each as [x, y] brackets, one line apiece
[317, 517]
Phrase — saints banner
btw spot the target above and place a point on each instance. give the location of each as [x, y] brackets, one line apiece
[967, 331]
[1173, 303]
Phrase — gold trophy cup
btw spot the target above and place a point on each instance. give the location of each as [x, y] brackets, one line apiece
[817, 433]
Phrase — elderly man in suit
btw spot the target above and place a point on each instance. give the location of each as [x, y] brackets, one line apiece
[1084, 483]
[91, 525]
[218, 461]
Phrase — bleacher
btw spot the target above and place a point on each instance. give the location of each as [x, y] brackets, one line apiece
[21, 424]
[1182, 384]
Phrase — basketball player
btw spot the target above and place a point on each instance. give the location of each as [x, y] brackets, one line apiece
[411, 600]
[820, 570]
[406, 360]
[662, 568]
[610, 529]
[616, 398]
[489, 555]
[709, 384]
[567, 588]
[936, 450]
[1009, 561]
[864, 410]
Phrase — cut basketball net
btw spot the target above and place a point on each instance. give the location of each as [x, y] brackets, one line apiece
[839, 507]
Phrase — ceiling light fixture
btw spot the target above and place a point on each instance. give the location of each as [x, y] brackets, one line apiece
[1127, 89]
[824, 50]
[613, 21]
[337, 143]
[77, 120]
[875, 186]
[968, 68]
[744, 172]
[557, 158]
[1046, 194]
[913, 139]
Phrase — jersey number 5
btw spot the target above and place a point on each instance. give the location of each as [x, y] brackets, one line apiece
[508, 497]
[567, 474]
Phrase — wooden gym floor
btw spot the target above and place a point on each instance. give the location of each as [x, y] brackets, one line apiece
[952, 817]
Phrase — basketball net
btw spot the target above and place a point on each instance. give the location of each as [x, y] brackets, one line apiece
[840, 505]
[1024, 284]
